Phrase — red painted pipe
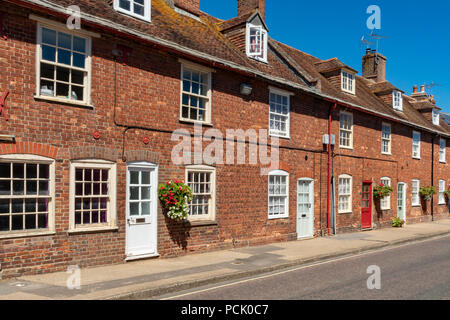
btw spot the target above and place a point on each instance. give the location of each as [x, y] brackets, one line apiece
[329, 169]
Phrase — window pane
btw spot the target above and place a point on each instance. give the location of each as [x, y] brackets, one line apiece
[79, 44]
[17, 222]
[62, 74]
[124, 4]
[78, 60]
[48, 36]
[48, 53]
[47, 71]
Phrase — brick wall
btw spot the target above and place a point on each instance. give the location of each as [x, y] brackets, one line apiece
[149, 91]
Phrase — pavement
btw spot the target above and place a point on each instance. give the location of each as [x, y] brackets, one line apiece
[150, 278]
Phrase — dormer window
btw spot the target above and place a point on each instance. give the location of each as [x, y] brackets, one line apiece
[136, 8]
[397, 100]
[256, 42]
[435, 117]
[348, 82]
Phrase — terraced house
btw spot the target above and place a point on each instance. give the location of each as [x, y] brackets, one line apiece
[88, 114]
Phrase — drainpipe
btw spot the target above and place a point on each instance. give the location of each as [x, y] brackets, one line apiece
[432, 175]
[332, 107]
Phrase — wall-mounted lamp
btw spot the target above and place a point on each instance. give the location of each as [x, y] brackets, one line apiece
[246, 89]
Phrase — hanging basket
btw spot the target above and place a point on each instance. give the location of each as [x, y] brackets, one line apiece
[175, 197]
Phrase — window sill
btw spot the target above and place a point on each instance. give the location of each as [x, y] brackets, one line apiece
[416, 158]
[65, 101]
[279, 136]
[27, 234]
[346, 212]
[187, 121]
[386, 154]
[278, 218]
[92, 230]
[345, 148]
[415, 205]
[203, 223]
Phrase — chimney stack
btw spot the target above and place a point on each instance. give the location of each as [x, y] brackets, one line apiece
[374, 66]
[246, 6]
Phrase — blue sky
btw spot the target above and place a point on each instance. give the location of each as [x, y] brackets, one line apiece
[417, 47]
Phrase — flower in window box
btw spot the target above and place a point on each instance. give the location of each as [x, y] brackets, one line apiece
[382, 191]
[427, 193]
[175, 197]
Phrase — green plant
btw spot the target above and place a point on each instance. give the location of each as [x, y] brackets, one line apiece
[427, 192]
[397, 223]
[447, 193]
[175, 197]
[382, 191]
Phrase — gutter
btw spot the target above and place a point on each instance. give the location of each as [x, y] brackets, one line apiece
[118, 29]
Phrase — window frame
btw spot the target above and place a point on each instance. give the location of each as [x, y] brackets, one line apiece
[211, 217]
[348, 79]
[50, 230]
[200, 69]
[111, 223]
[442, 150]
[385, 203]
[264, 33]
[345, 113]
[435, 116]
[88, 63]
[147, 10]
[415, 195]
[349, 195]
[416, 143]
[389, 140]
[278, 173]
[287, 95]
[442, 184]
[397, 96]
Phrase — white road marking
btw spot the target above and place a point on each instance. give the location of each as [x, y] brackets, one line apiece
[303, 267]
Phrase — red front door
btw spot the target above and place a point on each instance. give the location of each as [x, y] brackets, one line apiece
[366, 206]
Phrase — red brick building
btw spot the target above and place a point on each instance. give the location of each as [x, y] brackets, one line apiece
[88, 116]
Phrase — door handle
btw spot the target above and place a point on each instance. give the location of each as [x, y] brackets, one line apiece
[303, 215]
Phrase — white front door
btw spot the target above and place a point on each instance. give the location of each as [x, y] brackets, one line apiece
[305, 208]
[141, 211]
[401, 201]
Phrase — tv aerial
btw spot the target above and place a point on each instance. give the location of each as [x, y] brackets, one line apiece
[430, 87]
[367, 43]
[377, 38]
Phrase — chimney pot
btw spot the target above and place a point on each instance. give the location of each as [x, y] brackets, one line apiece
[415, 89]
[422, 88]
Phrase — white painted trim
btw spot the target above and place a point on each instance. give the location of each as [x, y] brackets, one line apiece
[194, 67]
[278, 173]
[351, 131]
[143, 165]
[52, 195]
[345, 176]
[353, 91]
[88, 67]
[404, 199]
[147, 10]
[312, 198]
[385, 124]
[416, 133]
[111, 222]
[388, 200]
[207, 169]
[288, 121]
[415, 204]
[247, 42]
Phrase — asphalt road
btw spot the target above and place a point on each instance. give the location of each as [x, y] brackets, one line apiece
[418, 271]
